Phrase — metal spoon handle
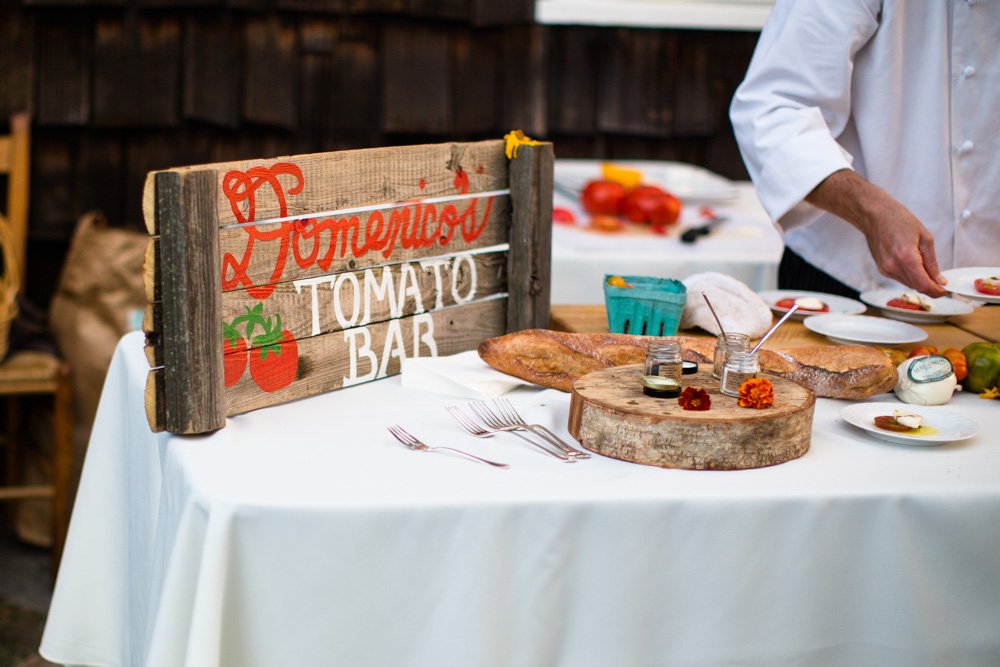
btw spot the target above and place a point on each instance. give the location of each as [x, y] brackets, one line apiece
[774, 328]
[722, 332]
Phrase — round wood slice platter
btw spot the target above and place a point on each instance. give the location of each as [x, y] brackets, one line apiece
[610, 415]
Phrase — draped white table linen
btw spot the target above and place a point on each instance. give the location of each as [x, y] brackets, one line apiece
[304, 534]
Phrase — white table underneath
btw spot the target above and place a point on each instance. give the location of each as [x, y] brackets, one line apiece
[304, 535]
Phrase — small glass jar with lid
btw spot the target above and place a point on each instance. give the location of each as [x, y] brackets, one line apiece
[661, 376]
[740, 367]
[739, 342]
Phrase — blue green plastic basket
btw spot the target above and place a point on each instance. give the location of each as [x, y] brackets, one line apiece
[651, 307]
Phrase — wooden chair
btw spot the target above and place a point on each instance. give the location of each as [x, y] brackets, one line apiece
[32, 373]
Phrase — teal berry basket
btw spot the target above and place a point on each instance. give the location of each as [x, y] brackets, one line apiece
[651, 307]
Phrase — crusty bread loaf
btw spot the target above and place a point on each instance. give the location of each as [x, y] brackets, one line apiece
[555, 359]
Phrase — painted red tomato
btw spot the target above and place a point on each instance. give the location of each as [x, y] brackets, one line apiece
[652, 205]
[274, 366]
[602, 197]
[234, 359]
[989, 285]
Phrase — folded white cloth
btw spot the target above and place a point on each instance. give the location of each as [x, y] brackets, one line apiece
[740, 308]
[463, 374]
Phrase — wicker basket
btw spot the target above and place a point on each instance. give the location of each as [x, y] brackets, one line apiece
[8, 286]
[651, 307]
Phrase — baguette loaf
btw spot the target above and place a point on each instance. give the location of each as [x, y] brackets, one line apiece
[555, 359]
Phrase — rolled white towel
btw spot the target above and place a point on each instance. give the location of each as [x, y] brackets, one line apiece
[739, 307]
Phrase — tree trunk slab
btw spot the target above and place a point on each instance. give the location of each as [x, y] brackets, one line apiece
[611, 416]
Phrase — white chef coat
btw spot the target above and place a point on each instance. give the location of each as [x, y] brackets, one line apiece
[906, 93]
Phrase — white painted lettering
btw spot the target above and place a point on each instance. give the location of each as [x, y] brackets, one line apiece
[456, 272]
[435, 265]
[380, 292]
[394, 346]
[365, 349]
[313, 284]
[408, 286]
[427, 337]
[338, 310]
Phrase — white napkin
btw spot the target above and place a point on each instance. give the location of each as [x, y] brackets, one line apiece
[739, 307]
[463, 374]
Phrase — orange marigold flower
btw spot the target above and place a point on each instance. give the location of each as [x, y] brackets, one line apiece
[756, 393]
[694, 398]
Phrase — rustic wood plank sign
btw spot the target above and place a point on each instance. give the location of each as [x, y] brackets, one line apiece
[272, 280]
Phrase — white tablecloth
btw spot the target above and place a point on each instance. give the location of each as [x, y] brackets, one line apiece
[746, 247]
[303, 535]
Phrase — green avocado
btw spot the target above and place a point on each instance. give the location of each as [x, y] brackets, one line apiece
[983, 360]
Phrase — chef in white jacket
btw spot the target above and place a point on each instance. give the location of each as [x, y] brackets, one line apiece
[871, 131]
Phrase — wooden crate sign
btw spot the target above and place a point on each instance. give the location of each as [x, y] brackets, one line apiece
[272, 280]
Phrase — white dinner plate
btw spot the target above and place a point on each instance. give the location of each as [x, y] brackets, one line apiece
[962, 281]
[854, 329]
[949, 425]
[686, 181]
[836, 304]
[941, 308]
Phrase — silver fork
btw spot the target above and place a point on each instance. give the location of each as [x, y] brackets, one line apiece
[487, 432]
[510, 416]
[412, 442]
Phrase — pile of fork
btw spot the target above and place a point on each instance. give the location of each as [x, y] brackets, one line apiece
[499, 416]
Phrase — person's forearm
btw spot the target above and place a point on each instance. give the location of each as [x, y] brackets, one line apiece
[901, 246]
[848, 196]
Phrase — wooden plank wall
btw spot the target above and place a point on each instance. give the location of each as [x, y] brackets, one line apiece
[117, 88]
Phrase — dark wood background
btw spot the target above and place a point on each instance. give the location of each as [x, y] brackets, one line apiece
[120, 87]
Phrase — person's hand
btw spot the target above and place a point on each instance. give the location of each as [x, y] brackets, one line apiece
[903, 249]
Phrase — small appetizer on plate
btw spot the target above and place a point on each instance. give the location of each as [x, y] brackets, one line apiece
[989, 286]
[809, 303]
[910, 302]
[905, 423]
[899, 421]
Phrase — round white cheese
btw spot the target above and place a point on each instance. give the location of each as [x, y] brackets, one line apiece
[925, 386]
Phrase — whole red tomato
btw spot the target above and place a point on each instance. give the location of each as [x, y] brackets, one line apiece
[602, 197]
[652, 205]
[273, 365]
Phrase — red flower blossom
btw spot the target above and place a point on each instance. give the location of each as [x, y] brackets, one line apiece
[694, 398]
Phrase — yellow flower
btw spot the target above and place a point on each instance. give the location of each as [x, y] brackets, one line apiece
[516, 138]
[991, 393]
